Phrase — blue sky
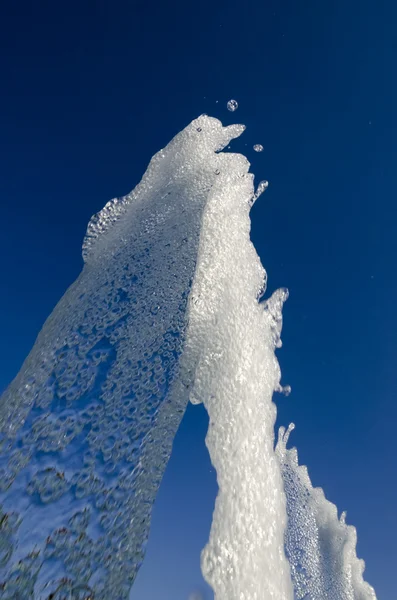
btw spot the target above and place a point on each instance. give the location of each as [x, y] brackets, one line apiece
[91, 90]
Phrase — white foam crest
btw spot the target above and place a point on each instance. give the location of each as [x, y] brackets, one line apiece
[320, 546]
[185, 159]
[232, 338]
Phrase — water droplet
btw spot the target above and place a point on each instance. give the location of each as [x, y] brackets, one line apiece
[258, 148]
[262, 186]
[232, 105]
[285, 390]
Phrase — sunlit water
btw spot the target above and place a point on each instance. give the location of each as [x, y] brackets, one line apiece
[168, 307]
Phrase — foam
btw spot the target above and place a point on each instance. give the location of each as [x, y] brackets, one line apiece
[233, 337]
[168, 307]
[320, 546]
[86, 427]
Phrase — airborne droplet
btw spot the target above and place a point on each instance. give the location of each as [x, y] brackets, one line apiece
[232, 105]
[258, 148]
[262, 186]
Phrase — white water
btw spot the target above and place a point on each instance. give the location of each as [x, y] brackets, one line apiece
[234, 337]
[86, 427]
[166, 309]
[320, 546]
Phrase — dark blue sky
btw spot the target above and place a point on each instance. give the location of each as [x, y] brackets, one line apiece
[92, 89]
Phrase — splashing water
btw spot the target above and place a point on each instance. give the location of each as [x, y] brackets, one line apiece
[233, 337]
[262, 186]
[258, 148]
[320, 547]
[86, 427]
[168, 308]
[232, 105]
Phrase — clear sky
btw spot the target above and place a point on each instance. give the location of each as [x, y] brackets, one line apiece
[91, 89]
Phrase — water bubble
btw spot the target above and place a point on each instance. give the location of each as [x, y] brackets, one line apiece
[258, 148]
[232, 105]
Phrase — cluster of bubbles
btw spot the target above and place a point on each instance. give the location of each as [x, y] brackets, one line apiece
[320, 546]
[86, 427]
[258, 148]
[104, 364]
